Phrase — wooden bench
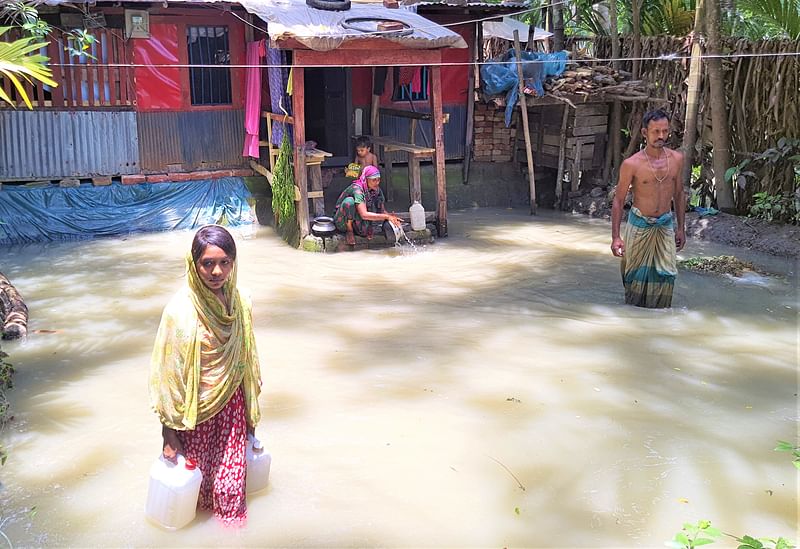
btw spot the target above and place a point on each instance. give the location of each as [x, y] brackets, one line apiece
[415, 154]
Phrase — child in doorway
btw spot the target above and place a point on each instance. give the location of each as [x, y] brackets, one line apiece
[364, 157]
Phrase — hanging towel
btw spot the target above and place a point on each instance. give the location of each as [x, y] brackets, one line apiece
[252, 103]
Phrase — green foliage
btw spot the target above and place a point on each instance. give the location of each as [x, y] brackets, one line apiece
[760, 19]
[776, 207]
[19, 62]
[775, 175]
[283, 185]
[694, 535]
[749, 542]
[784, 446]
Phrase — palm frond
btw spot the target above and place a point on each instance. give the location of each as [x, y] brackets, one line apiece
[771, 18]
[20, 59]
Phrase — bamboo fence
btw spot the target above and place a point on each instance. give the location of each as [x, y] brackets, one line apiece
[763, 96]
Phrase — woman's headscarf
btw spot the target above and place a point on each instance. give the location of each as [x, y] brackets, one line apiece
[368, 172]
[178, 360]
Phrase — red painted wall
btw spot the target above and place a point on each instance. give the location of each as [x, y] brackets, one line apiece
[157, 88]
[454, 78]
[167, 88]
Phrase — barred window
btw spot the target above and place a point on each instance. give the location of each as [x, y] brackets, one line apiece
[209, 46]
[410, 83]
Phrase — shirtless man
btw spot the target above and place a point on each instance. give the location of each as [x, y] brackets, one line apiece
[653, 234]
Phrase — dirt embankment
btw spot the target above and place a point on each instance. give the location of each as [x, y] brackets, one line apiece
[732, 230]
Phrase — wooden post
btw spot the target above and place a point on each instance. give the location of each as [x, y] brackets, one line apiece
[315, 175]
[470, 112]
[386, 176]
[524, 108]
[414, 185]
[692, 97]
[561, 154]
[269, 145]
[574, 178]
[438, 143]
[375, 117]
[298, 112]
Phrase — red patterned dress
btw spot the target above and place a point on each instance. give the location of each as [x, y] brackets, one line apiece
[218, 446]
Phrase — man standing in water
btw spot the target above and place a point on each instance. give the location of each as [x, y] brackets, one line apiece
[653, 234]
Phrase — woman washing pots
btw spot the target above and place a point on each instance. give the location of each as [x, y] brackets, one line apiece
[361, 205]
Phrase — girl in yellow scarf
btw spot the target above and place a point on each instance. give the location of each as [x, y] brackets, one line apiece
[205, 377]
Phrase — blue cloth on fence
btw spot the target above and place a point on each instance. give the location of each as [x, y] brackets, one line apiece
[278, 79]
[500, 75]
[53, 213]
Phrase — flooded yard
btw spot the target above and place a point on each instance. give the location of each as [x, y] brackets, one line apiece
[490, 390]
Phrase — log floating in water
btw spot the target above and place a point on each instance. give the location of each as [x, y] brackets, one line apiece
[13, 312]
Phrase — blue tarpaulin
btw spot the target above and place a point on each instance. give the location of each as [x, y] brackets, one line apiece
[500, 74]
[53, 213]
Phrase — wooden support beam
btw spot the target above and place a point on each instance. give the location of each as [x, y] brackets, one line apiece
[438, 140]
[468, 133]
[286, 119]
[378, 55]
[413, 115]
[298, 108]
[317, 200]
[414, 180]
[258, 168]
[523, 106]
[562, 145]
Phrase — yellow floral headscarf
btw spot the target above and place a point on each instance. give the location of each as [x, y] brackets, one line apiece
[190, 382]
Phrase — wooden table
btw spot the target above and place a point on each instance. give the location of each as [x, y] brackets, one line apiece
[415, 154]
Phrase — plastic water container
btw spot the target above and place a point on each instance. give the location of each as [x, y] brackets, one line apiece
[417, 213]
[173, 491]
[258, 464]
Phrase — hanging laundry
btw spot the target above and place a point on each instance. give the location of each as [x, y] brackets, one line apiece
[252, 105]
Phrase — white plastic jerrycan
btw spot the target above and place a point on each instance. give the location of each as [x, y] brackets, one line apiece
[417, 213]
[258, 464]
[173, 491]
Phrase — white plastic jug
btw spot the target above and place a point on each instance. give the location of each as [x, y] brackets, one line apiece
[417, 213]
[258, 464]
[173, 491]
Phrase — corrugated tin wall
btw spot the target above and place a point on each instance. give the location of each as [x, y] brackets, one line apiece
[191, 140]
[57, 144]
[393, 126]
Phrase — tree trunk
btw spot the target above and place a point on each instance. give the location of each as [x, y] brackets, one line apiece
[558, 27]
[614, 143]
[637, 37]
[13, 311]
[692, 96]
[719, 111]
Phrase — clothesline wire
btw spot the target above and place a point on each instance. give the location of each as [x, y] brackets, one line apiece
[667, 57]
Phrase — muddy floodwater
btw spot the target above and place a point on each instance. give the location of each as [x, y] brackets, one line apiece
[490, 390]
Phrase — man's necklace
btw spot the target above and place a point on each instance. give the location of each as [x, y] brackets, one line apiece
[652, 169]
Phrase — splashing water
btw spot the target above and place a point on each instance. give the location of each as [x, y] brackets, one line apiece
[399, 234]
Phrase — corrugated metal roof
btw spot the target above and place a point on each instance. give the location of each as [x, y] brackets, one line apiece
[325, 30]
[516, 4]
[92, 2]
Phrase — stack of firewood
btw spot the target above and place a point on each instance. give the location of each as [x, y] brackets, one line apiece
[596, 79]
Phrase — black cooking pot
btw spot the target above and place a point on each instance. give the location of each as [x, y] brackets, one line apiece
[323, 226]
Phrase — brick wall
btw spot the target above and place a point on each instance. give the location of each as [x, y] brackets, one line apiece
[493, 142]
